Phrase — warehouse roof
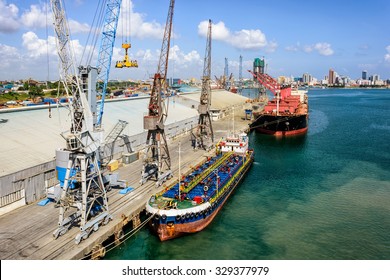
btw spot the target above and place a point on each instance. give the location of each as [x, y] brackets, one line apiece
[29, 138]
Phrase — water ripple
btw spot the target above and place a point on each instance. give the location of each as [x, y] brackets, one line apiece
[380, 126]
[318, 122]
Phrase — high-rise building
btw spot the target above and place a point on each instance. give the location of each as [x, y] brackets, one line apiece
[364, 75]
[332, 77]
[258, 66]
[307, 78]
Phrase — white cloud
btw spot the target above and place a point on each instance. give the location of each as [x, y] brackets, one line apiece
[183, 59]
[137, 27]
[147, 55]
[8, 17]
[77, 27]
[387, 56]
[308, 49]
[8, 56]
[292, 48]
[117, 54]
[37, 47]
[219, 30]
[324, 49]
[39, 16]
[247, 39]
[176, 56]
[36, 17]
[271, 46]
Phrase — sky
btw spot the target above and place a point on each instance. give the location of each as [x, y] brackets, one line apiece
[294, 37]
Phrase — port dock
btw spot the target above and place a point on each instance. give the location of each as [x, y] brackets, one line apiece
[26, 232]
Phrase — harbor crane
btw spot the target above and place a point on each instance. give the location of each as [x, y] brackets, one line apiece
[240, 77]
[157, 161]
[83, 198]
[205, 129]
[110, 25]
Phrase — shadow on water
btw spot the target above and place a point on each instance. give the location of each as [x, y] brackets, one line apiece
[271, 141]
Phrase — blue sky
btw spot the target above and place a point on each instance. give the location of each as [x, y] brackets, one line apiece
[295, 37]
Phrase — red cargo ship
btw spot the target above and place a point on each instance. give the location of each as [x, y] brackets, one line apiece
[287, 114]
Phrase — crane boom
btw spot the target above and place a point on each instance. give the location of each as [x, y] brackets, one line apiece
[68, 71]
[106, 47]
[226, 75]
[240, 76]
[267, 81]
[157, 161]
[205, 128]
[163, 62]
[65, 52]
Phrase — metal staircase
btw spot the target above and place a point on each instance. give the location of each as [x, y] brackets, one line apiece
[112, 137]
[116, 131]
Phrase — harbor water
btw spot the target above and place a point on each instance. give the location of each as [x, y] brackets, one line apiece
[325, 195]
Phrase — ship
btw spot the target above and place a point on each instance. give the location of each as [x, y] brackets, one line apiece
[190, 205]
[283, 116]
[286, 114]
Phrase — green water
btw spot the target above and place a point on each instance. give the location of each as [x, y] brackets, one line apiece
[322, 196]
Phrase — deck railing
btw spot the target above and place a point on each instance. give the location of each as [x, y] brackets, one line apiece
[227, 185]
[204, 174]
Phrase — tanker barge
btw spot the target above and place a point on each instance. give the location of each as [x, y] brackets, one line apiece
[190, 205]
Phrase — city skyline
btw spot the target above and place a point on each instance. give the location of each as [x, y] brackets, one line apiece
[295, 38]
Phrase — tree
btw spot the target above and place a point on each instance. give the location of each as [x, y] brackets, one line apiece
[35, 91]
[25, 85]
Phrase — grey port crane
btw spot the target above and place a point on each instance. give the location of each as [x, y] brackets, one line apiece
[157, 161]
[204, 135]
[82, 198]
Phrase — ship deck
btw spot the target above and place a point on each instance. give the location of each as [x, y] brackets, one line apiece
[203, 184]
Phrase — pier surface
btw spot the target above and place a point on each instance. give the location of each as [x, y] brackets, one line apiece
[26, 233]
